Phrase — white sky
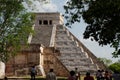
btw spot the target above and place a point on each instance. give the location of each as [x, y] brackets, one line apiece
[77, 29]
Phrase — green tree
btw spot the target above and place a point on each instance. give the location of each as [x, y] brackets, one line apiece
[115, 67]
[15, 26]
[102, 17]
[106, 61]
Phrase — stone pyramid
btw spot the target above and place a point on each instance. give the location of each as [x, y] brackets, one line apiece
[50, 31]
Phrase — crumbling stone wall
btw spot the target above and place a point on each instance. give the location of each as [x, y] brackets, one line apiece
[20, 64]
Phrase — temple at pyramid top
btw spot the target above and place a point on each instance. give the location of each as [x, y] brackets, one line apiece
[44, 23]
[49, 30]
[49, 19]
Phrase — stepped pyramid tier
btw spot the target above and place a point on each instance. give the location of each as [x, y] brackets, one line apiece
[50, 31]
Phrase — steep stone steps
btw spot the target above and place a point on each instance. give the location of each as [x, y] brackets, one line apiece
[71, 54]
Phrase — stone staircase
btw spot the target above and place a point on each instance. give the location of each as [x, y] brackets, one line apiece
[72, 55]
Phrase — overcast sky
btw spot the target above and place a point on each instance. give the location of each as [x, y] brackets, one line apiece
[77, 29]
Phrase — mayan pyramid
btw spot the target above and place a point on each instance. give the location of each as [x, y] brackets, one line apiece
[49, 30]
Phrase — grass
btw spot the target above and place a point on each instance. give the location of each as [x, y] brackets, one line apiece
[37, 77]
[41, 77]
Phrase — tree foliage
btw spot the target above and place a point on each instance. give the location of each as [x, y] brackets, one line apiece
[102, 17]
[15, 26]
[115, 67]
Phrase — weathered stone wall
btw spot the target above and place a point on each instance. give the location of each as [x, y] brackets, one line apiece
[42, 35]
[51, 61]
[20, 64]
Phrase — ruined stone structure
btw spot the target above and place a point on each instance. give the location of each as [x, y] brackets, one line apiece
[20, 64]
[53, 46]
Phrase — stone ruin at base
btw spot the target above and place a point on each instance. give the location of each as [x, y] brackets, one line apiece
[53, 46]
